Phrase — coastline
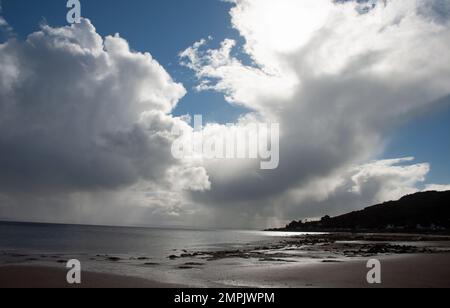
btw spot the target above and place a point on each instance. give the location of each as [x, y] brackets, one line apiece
[228, 260]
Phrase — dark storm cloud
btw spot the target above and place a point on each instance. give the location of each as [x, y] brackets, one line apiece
[72, 113]
[355, 84]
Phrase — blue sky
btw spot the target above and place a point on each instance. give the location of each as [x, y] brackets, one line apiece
[427, 139]
[156, 26]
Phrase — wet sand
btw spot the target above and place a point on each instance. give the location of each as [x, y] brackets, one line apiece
[406, 271]
[48, 277]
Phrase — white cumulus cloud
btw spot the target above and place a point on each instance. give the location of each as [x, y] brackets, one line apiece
[82, 115]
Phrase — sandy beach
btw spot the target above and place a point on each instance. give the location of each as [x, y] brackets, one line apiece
[408, 271]
[47, 277]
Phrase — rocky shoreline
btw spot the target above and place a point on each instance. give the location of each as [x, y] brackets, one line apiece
[328, 247]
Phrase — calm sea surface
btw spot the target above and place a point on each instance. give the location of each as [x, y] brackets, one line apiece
[74, 239]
